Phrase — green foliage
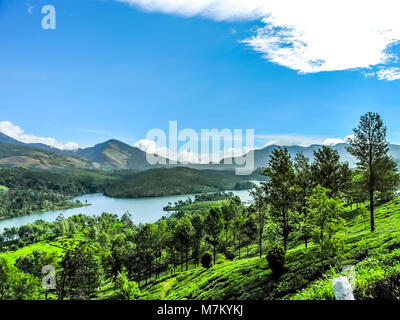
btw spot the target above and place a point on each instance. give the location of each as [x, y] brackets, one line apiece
[125, 289]
[370, 148]
[16, 285]
[214, 224]
[81, 274]
[329, 172]
[279, 191]
[206, 259]
[276, 259]
[30, 192]
[324, 220]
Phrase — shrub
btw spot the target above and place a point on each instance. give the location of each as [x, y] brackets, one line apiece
[206, 259]
[125, 289]
[276, 259]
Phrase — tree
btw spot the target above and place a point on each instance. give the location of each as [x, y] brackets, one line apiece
[198, 234]
[118, 253]
[239, 224]
[206, 259]
[144, 239]
[279, 191]
[15, 285]
[387, 178]
[159, 242]
[250, 228]
[183, 232]
[356, 191]
[324, 220]
[304, 183]
[230, 211]
[125, 289]
[276, 259]
[369, 146]
[258, 196]
[213, 225]
[34, 264]
[329, 172]
[81, 273]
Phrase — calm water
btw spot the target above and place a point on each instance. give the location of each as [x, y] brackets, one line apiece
[142, 210]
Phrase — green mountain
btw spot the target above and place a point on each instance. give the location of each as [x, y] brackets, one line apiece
[24, 156]
[114, 154]
[172, 181]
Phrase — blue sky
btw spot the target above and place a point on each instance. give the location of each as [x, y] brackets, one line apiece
[111, 70]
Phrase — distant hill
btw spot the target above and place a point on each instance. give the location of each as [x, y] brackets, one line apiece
[173, 181]
[6, 139]
[261, 156]
[24, 156]
[109, 155]
[114, 154]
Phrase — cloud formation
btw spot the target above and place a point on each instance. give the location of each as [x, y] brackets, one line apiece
[188, 157]
[308, 36]
[17, 133]
[304, 141]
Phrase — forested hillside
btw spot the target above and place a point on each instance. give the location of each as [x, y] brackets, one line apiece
[179, 180]
[23, 192]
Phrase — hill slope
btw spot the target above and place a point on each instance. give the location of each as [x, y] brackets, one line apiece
[12, 155]
[375, 257]
[114, 154]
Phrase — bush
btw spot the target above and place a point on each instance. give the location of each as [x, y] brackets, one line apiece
[206, 259]
[276, 259]
[125, 289]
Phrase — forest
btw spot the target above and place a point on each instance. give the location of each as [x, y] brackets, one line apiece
[307, 223]
[23, 192]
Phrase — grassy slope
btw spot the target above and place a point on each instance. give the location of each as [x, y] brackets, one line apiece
[374, 256]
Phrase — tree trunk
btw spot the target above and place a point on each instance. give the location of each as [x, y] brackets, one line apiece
[214, 252]
[182, 261]
[260, 234]
[239, 244]
[186, 257]
[371, 208]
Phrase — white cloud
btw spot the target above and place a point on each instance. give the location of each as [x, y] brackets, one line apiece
[189, 157]
[17, 133]
[304, 141]
[214, 9]
[388, 74]
[306, 35]
[151, 147]
[186, 156]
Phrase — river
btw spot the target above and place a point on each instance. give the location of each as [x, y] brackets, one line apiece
[143, 210]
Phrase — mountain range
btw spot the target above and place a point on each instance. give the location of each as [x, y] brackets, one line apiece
[117, 155]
